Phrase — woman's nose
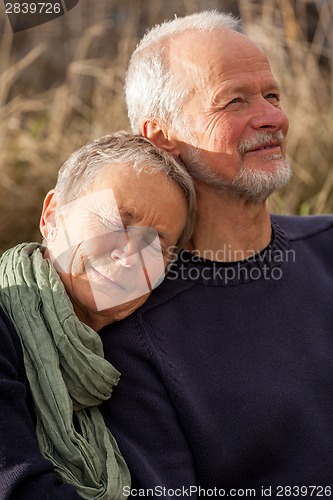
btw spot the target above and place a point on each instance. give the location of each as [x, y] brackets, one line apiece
[122, 255]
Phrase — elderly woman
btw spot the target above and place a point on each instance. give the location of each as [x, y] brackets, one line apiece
[119, 209]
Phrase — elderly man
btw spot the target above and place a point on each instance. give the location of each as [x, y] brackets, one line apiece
[227, 368]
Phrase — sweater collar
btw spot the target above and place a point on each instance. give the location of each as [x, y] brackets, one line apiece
[263, 265]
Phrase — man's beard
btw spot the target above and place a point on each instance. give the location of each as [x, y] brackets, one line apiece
[251, 185]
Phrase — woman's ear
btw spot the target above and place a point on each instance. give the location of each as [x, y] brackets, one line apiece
[48, 223]
[160, 136]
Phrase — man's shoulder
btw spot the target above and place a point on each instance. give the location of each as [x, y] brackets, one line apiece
[166, 293]
[294, 227]
[162, 301]
[298, 227]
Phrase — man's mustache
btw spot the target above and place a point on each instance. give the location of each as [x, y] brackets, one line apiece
[261, 140]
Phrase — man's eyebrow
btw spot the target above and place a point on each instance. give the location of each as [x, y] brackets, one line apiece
[227, 90]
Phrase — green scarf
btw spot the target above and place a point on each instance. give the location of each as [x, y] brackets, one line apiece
[67, 373]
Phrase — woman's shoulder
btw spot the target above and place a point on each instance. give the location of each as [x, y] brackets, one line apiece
[11, 354]
[10, 343]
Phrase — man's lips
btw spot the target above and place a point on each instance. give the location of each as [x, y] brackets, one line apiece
[270, 147]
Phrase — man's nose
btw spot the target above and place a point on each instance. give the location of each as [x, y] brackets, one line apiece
[269, 117]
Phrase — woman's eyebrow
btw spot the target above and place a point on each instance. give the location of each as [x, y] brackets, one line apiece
[128, 215]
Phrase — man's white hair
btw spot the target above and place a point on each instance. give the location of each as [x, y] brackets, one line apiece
[151, 89]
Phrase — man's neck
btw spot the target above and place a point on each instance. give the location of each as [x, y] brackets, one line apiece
[229, 229]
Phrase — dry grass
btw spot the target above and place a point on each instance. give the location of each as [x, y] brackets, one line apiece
[61, 84]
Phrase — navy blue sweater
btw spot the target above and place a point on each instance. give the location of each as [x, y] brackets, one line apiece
[227, 373]
[227, 378]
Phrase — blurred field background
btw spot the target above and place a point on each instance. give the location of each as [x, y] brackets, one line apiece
[61, 84]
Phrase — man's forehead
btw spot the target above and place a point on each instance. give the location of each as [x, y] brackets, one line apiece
[195, 49]
[204, 59]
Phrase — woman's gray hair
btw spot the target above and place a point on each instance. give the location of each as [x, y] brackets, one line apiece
[151, 89]
[84, 166]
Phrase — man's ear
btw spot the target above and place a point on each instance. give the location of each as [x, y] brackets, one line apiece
[160, 136]
[48, 223]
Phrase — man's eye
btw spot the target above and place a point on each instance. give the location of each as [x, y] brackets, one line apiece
[272, 97]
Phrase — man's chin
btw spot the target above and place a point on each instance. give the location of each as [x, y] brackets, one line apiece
[267, 163]
[256, 185]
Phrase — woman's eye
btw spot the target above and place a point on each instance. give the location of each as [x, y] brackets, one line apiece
[236, 100]
[112, 225]
[157, 247]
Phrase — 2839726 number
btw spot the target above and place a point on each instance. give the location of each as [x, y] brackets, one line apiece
[303, 491]
[33, 8]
